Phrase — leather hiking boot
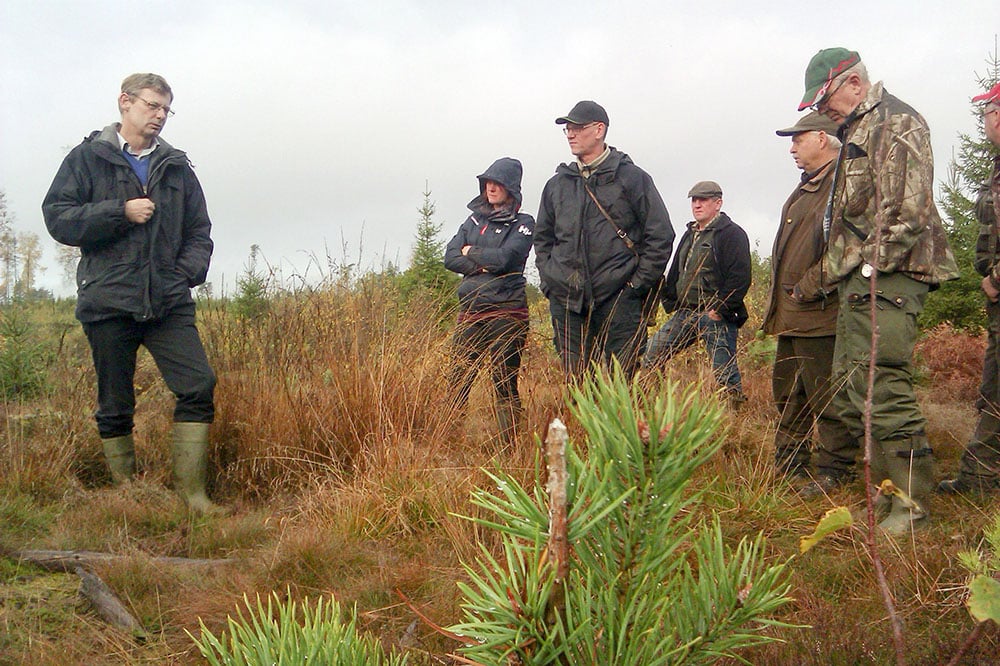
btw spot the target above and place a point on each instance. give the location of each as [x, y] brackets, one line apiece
[967, 485]
[824, 484]
[119, 452]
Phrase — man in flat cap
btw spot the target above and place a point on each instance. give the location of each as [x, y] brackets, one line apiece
[704, 289]
[802, 313]
[979, 470]
[602, 241]
[886, 239]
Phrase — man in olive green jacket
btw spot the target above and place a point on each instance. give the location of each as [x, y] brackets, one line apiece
[802, 313]
[885, 235]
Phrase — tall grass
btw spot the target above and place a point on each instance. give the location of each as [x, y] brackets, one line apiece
[335, 445]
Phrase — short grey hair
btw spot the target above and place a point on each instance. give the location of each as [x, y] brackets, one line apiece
[858, 69]
[133, 83]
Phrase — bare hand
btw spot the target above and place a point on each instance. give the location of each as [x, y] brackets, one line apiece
[991, 292]
[714, 316]
[465, 250]
[138, 211]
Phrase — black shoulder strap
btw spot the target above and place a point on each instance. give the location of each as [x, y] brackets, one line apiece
[618, 230]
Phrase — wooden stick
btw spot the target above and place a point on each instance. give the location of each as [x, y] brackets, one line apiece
[558, 546]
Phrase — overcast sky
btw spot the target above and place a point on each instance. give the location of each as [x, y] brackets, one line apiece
[317, 124]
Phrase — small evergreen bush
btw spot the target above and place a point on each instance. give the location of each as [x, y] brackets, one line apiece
[263, 638]
[645, 585]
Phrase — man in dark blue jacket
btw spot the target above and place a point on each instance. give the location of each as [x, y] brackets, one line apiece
[705, 288]
[132, 204]
[602, 242]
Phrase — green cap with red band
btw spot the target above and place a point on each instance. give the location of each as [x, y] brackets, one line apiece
[824, 67]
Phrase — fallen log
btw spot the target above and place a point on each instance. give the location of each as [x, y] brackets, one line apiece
[104, 601]
[92, 588]
[68, 560]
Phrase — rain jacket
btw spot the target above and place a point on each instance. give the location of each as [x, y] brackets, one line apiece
[500, 241]
[581, 260]
[142, 271]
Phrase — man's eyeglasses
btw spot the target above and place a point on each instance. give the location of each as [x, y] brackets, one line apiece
[576, 129]
[825, 99]
[154, 106]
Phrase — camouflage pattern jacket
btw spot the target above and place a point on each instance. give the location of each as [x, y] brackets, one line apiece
[886, 176]
[988, 212]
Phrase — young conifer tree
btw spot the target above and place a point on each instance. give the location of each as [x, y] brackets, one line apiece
[641, 581]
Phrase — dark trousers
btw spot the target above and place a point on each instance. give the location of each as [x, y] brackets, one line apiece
[803, 395]
[496, 342]
[615, 329]
[981, 459]
[174, 344]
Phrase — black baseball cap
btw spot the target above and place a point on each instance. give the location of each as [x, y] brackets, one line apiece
[583, 113]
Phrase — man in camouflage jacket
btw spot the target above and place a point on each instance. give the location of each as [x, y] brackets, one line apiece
[885, 235]
[980, 467]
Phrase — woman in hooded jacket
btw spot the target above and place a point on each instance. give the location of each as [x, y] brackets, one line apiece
[490, 251]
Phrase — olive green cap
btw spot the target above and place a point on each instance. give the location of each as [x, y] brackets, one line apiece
[811, 122]
[824, 67]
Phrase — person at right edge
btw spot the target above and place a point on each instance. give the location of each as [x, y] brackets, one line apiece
[979, 470]
[883, 186]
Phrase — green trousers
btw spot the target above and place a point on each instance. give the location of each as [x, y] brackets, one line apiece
[895, 412]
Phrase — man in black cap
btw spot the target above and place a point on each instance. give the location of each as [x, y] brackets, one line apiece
[602, 241]
[705, 288]
[802, 313]
[886, 237]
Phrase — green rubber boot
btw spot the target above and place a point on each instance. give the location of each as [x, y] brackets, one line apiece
[879, 473]
[911, 468]
[508, 422]
[190, 454]
[119, 452]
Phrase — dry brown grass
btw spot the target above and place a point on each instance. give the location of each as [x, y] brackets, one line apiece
[336, 447]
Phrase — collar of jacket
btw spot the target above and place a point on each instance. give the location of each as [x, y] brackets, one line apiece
[613, 161]
[719, 221]
[484, 211]
[811, 182]
[105, 143]
[871, 101]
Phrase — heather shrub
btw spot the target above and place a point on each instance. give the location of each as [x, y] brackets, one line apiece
[952, 360]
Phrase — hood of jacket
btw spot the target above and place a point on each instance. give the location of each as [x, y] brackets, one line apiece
[507, 171]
